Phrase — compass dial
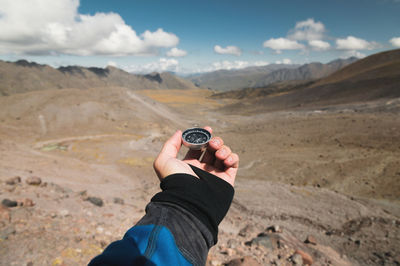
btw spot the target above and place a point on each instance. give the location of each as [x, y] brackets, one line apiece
[195, 138]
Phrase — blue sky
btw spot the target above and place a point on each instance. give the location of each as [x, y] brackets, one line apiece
[194, 36]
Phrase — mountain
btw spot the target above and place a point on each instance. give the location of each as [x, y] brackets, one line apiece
[23, 76]
[224, 80]
[255, 77]
[372, 78]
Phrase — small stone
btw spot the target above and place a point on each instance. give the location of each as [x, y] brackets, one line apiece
[117, 200]
[13, 180]
[262, 240]
[64, 212]
[26, 202]
[96, 201]
[4, 234]
[9, 203]
[34, 181]
[29, 263]
[274, 229]
[232, 243]
[228, 251]
[311, 240]
[246, 231]
[245, 261]
[297, 259]
[307, 259]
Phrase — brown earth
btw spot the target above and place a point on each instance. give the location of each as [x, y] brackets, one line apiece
[333, 174]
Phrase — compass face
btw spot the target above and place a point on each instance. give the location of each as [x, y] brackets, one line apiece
[195, 138]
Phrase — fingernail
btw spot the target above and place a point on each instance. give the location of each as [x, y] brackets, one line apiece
[229, 159]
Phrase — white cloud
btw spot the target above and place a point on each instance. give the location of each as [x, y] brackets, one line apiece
[175, 52]
[162, 65]
[55, 27]
[352, 53]
[232, 50]
[285, 61]
[395, 41]
[353, 43]
[319, 45]
[307, 30]
[112, 63]
[282, 44]
[228, 65]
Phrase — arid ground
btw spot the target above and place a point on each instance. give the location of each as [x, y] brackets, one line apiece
[331, 175]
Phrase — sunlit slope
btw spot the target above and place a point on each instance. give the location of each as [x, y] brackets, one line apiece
[372, 78]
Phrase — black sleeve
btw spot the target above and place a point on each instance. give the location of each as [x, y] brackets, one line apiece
[208, 197]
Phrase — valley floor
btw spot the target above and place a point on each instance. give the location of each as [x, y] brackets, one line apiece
[329, 174]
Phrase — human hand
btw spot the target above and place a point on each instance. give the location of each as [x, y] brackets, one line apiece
[218, 159]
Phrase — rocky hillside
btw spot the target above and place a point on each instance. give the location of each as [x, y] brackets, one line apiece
[256, 77]
[23, 76]
[373, 78]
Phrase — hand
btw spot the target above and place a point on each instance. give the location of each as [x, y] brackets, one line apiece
[218, 159]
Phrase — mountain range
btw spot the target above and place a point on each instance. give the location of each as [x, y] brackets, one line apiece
[256, 77]
[23, 76]
[374, 77]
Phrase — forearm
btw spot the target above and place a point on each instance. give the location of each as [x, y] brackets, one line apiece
[180, 225]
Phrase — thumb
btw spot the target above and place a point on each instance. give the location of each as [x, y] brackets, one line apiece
[171, 147]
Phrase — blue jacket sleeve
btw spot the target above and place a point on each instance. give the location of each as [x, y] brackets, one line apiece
[180, 225]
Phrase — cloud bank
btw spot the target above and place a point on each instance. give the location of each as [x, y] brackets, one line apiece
[162, 65]
[175, 52]
[353, 43]
[48, 27]
[307, 30]
[395, 41]
[231, 50]
[282, 44]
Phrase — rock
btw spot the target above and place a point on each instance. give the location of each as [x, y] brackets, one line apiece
[117, 200]
[6, 232]
[274, 229]
[307, 259]
[246, 231]
[34, 181]
[311, 240]
[9, 203]
[26, 202]
[245, 261]
[263, 240]
[96, 201]
[64, 213]
[297, 259]
[232, 243]
[228, 251]
[13, 180]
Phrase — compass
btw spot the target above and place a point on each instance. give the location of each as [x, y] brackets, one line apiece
[195, 138]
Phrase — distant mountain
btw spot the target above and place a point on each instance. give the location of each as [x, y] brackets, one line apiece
[255, 77]
[372, 78]
[224, 80]
[23, 76]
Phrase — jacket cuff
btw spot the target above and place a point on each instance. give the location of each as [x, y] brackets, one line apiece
[208, 197]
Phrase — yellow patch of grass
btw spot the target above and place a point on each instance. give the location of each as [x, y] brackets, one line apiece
[137, 161]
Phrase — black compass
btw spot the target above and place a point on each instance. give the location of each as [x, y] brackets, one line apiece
[195, 138]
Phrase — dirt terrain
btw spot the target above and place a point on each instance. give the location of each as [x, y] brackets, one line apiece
[330, 176]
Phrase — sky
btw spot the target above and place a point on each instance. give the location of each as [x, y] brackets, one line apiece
[188, 36]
